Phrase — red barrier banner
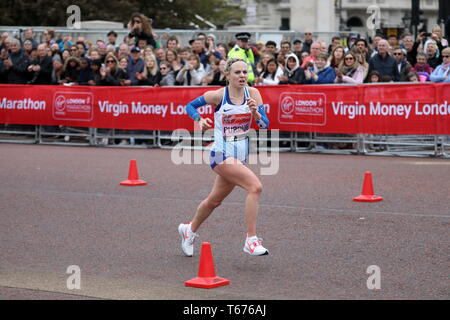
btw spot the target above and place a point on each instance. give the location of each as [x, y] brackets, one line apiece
[375, 109]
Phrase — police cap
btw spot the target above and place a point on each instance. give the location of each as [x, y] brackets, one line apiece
[243, 36]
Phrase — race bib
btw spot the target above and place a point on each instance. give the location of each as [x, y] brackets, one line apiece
[236, 124]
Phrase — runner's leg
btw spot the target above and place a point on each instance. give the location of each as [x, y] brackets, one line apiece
[221, 189]
[236, 173]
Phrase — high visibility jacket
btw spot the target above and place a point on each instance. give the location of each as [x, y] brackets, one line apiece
[247, 56]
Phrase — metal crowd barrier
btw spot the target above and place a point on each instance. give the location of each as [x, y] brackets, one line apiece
[299, 142]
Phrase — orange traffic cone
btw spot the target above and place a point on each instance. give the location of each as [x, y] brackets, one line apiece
[133, 177]
[206, 278]
[367, 191]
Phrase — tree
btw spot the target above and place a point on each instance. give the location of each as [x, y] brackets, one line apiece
[174, 14]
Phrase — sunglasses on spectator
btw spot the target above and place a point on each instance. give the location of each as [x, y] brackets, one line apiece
[163, 68]
[445, 56]
[308, 34]
[398, 53]
[349, 58]
[110, 61]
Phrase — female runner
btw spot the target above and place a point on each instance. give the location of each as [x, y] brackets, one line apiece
[235, 104]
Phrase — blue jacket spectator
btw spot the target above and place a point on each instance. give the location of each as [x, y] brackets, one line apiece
[442, 72]
[136, 65]
[320, 73]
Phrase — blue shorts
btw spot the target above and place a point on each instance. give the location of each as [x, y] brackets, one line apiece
[217, 157]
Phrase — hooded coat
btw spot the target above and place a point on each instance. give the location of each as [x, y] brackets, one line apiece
[295, 75]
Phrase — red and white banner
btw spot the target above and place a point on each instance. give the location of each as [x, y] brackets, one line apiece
[377, 109]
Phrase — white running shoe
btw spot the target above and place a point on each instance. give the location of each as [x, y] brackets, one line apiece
[253, 246]
[187, 239]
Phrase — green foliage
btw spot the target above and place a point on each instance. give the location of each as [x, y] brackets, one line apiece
[174, 14]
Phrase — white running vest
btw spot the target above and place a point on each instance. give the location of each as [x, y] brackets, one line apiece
[231, 125]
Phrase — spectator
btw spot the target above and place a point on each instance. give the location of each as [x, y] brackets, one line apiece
[422, 68]
[27, 47]
[74, 51]
[101, 48]
[95, 73]
[319, 73]
[214, 68]
[323, 47]
[112, 74]
[198, 48]
[192, 72]
[403, 65]
[243, 51]
[412, 77]
[219, 78]
[150, 76]
[307, 43]
[172, 58]
[361, 44]
[382, 62]
[112, 38]
[136, 65]
[140, 28]
[33, 54]
[293, 73]
[361, 58]
[411, 47]
[442, 73]
[172, 43]
[41, 68]
[160, 55]
[81, 49]
[304, 56]
[374, 77]
[349, 70]
[271, 48]
[351, 41]
[85, 72]
[123, 62]
[124, 50]
[66, 43]
[222, 50]
[393, 41]
[93, 54]
[376, 39]
[285, 48]
[298, 47]
[167, 78]
[28, 34]
[184, 55]
[433, 56]
[261, 65]
[437, 32]
[57, 70]
[271, 74]
[16, 64]
[337, 56]
[71, 70]
[335, 42]
[65, 54]
[48, 37]
[314, 51]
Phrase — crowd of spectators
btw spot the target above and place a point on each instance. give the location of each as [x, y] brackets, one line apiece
[140, 59]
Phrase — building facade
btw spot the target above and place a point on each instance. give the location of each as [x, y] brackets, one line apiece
[332, 15]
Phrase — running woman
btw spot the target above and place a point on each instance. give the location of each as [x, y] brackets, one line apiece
[236, 105]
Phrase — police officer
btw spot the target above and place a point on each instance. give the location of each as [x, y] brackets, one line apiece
[243, 51]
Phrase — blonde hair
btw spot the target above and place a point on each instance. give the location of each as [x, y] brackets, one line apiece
[154, 70]
[230, 62]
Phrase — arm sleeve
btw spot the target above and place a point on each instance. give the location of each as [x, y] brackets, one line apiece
[191, 107]
[263, 123]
